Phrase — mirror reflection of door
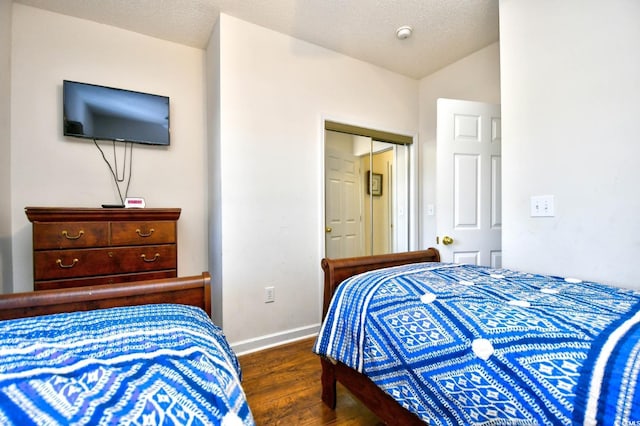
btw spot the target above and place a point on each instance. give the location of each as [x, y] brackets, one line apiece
[343, 227]
[365, 213]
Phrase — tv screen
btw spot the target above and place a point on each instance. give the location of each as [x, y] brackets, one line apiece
[107, 113]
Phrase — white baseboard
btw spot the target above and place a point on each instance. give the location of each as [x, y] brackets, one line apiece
[270, 340]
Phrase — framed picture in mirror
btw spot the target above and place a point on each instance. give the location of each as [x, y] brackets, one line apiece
[374, 184]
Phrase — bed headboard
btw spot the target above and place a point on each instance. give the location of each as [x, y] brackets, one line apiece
[337, 270]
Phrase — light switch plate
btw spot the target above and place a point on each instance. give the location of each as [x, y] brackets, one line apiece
[542, 206]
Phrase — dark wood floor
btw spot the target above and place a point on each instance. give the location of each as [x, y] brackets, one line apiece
[283, 388]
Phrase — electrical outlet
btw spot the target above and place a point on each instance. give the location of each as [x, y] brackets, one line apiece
[269, 294]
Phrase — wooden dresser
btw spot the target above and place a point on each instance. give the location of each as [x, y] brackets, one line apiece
[75, 247]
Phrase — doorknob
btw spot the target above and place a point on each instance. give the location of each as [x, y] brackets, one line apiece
[446, 240]
[328, 229]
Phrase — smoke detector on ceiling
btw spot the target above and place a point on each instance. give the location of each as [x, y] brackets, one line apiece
[404, 32]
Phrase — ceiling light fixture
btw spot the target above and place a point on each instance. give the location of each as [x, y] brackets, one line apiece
[404, 32]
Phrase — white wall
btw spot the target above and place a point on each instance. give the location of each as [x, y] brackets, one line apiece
[5, 147]
[275, 93]
[474, 78]
[48, 169]
[214, 167]
[570, 106]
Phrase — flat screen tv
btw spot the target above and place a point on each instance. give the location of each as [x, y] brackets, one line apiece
[107, 113]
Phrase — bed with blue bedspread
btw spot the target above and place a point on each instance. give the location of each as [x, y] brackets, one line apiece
[462, 344]
[152, 364]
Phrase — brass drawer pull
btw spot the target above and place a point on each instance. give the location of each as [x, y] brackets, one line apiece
[139, 232]
[60, 264]
[69, 237]
[156, 257]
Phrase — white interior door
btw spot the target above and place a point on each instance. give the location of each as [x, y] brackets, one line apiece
[343, 237]
[469, 190]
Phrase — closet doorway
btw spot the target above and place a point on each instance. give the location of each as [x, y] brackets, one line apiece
[366, 191]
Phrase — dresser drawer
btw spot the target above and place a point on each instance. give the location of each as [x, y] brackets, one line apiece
[144, 258]
[104, 280]
[52, 235]
[60, 264]
[139, 233]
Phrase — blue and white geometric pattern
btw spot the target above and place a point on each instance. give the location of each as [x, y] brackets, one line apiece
[416, 329]
[463, 344]
[141, 365]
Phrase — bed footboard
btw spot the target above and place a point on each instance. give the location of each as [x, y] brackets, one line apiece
[193, 290]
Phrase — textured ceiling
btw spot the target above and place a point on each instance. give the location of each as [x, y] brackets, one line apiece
[444, 30]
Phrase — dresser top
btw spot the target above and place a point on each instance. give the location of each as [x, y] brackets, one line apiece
[79, 214]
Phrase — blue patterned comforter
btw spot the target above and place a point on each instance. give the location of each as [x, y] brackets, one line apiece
[151, 365]
[461, 344]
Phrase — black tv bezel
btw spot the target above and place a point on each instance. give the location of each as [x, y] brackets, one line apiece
[143, 142]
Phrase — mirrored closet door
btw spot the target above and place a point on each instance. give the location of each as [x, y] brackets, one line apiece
[366, 194]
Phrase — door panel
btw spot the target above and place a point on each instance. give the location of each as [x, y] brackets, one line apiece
[465, 191]
[496, 259]
[466, 257]
[496, 192]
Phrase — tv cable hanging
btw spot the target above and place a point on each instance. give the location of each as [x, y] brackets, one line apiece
[115, 173]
